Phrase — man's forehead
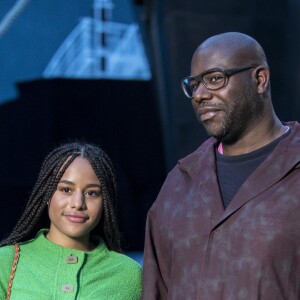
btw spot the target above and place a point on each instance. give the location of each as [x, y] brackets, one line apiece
[205, 59]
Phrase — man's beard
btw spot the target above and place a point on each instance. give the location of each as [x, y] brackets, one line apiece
[243, 110]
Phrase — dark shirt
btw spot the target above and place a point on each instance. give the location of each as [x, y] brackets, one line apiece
[232, 171]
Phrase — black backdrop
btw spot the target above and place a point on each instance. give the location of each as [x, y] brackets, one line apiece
[120, 116]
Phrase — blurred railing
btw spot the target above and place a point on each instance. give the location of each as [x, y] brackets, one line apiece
[96, 49]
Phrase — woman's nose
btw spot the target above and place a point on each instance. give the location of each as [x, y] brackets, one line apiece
[77, 201]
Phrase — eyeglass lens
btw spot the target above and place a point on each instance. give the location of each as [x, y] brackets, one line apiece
[212, 80]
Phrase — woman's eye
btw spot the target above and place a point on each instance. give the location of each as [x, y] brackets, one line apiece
[93, 193]
[66, 190]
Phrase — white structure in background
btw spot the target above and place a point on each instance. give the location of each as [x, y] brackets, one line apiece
[99, 48]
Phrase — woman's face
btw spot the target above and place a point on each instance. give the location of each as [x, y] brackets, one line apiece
[76, 206]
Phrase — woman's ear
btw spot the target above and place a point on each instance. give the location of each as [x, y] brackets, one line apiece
[262, 77]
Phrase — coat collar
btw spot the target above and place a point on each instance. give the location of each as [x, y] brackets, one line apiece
[200, 165]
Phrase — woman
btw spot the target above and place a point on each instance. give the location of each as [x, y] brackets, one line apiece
[76, 187]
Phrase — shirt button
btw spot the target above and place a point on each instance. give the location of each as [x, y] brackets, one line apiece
[67, 288]
[71, 259]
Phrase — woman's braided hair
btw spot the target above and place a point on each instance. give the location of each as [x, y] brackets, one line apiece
[51, 172]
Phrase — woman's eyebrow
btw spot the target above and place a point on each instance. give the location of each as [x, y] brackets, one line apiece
[87, 186]
[66, 182]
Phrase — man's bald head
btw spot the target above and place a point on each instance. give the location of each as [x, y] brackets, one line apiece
[238, 48]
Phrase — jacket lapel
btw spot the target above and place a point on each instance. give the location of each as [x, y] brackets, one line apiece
[201, 167]
[277, 165]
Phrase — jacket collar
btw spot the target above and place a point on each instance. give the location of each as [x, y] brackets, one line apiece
[205, 152]
[190, 163]
[286, 156]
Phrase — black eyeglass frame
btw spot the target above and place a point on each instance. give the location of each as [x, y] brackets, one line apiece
[199, 78]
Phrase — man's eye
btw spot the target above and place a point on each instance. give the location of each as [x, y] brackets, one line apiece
[215, 78]
[194, 86]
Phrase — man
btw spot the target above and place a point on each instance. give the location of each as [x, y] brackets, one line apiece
[226, 223]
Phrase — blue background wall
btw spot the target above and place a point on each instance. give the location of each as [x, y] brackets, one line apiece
[30, 42]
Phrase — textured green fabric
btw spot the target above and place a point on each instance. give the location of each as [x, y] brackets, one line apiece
[43, 271]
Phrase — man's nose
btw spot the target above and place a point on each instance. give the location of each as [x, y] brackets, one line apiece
[202, 93]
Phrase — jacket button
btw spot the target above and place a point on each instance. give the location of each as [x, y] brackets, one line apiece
[71, 259]
[67, 288]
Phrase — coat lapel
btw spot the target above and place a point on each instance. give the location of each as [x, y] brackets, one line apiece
[201, 166]
[277, 165]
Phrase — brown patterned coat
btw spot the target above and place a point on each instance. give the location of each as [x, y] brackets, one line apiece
[196, 250]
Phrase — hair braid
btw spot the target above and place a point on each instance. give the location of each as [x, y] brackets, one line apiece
[53, 168]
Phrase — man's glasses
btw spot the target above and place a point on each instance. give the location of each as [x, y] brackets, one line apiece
[212, 79]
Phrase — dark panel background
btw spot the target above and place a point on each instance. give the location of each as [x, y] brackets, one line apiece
[121, 116]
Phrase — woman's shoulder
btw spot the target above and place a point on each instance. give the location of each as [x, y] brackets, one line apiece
[128, 273]
[124, 260]
[118, 263]
[113, 258]
[7, 254]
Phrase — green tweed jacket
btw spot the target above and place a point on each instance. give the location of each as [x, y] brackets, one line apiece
[48, 271]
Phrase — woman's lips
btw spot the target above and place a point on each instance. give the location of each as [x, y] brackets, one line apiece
[76, 218]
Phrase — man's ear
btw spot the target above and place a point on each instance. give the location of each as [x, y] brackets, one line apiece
[262, 77]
